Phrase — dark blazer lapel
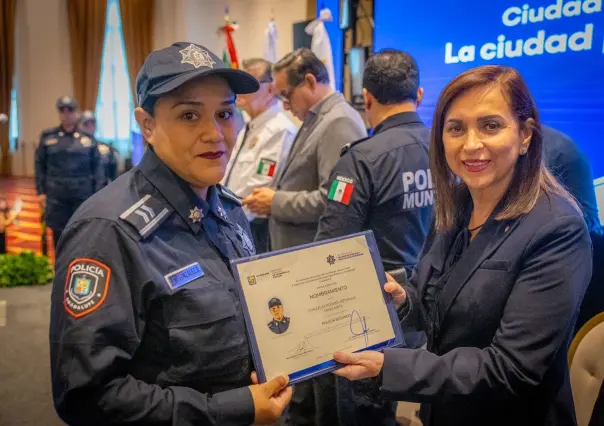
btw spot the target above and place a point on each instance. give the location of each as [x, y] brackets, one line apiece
[486, 242]
[437, 253]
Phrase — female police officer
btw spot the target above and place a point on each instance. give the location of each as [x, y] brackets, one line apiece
[146, 326]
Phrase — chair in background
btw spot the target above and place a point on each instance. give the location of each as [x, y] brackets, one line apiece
[587, 367]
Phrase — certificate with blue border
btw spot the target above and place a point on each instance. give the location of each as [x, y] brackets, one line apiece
[304, 303]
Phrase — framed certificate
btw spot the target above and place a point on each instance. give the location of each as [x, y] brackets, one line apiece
[305, 303]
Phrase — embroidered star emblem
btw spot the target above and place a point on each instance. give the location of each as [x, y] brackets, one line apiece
[246, 241]
[195, 215]
[197, 57]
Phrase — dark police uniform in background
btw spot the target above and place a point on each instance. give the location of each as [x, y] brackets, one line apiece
[109, 155]
[68, 170]
[169, 331]
[146, 324]
[391, 190]
[385, 185]
[109, 160]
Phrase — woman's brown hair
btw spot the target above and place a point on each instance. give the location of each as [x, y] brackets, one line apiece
[531, 176]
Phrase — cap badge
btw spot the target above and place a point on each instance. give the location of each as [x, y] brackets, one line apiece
[195, 215]
[66, 100]
[197, 57]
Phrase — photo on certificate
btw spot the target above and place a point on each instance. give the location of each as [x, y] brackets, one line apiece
[305, 303]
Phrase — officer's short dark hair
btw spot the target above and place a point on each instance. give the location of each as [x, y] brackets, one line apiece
[392, 77]
[299, 63]
[265, 67]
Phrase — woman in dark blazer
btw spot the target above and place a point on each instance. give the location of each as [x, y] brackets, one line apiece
[502, 274]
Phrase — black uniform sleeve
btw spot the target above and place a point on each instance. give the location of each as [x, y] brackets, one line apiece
[112, 166]
[40, 165]
[91, 350]
[98, 168]
[574, 171]
[349, 196]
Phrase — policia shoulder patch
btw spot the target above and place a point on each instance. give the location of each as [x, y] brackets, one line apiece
[86, 286]
[146, 215]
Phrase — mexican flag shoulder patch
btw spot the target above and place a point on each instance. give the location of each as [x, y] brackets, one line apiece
[266, 167]
[341, 190]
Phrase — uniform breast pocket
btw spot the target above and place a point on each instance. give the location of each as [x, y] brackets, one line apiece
[496, 265]
[206, 333]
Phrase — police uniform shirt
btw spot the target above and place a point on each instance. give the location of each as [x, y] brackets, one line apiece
[383, 183]
[67, 165]
[261, 150]
[109, 160]
[146, 323]
[279, 327]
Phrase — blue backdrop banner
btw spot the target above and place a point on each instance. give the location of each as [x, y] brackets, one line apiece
[558, 46]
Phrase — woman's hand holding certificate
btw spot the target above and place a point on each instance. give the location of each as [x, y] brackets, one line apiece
[304, 304]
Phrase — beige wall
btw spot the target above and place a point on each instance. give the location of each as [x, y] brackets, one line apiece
[43, 70]
[198, 20]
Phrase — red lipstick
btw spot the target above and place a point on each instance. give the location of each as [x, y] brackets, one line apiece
[212, 155]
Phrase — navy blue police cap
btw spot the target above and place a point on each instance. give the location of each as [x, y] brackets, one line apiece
[87, 116]
[274, 302]
[167, 69]
[66, 102]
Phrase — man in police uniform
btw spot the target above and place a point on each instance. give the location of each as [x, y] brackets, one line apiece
[109, 155]
[383, 183]
[146, 322]
[262, 147]
[68, 168]
[280, 323]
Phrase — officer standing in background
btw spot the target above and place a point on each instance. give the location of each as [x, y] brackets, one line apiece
[383, 183]
[68, 168]
[262, 147]
[109, 155]
[146, 323]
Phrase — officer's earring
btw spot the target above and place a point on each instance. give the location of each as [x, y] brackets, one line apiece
[523, 151]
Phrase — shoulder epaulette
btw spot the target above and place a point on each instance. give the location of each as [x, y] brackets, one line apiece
[348, 146]
[146, 214]
[228, 194]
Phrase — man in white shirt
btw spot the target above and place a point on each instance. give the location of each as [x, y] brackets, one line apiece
[262, 146]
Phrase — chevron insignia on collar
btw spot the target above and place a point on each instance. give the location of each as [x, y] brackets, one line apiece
[146, 215]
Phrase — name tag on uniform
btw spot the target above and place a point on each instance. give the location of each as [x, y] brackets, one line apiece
[184, 275]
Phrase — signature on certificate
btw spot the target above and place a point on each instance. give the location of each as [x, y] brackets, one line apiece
[354, 329]
[303, 346]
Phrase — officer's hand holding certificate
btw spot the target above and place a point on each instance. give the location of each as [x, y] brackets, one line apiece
[304, 304]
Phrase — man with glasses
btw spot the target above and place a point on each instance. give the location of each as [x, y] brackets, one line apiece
[297, 199]
[68, 168]
[262, 146]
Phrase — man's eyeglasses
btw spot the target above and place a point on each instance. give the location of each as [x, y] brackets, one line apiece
[286, 97]
[66, 109]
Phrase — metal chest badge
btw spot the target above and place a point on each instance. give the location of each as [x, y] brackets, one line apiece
[196, 215]
[85, 141]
